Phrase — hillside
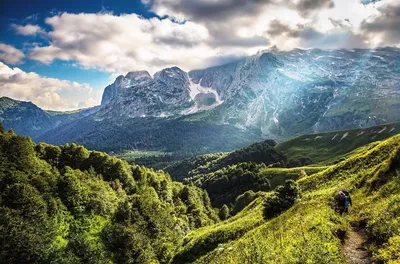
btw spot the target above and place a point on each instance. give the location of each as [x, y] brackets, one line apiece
[262, 152]
[70, 205]
[264, 166]
[311, 231]
[332, 146]
[65, 204]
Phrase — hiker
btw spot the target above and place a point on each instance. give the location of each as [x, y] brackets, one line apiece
[343, 202]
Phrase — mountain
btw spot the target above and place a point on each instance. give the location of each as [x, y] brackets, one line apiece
[273, 94]
[170, 92]
[25, 118]
[286, 93]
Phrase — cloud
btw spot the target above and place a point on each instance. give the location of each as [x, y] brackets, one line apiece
[305, 7]
[334, 39]
[384, 27]
[27, 29]
[122, 43]
[10, 55]
[199, 33]
[47, 93]
[277, 28]
[201, 10]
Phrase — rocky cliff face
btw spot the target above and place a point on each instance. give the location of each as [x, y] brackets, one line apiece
[169, 93]
[281, 94]
[301, 91]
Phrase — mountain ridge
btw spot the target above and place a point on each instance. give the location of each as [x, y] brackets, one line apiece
[272, 94]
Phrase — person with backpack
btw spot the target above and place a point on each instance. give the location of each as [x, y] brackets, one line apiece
[343, 202]
[347, 201]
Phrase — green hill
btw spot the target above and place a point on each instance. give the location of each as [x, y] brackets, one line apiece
[70, 205]
[311, 231]
[332, 146]
[261, 152]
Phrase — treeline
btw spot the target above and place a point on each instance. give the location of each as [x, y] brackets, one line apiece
[223, 186]
[262, 152]
[65, 204]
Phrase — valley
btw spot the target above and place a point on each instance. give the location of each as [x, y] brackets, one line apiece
[126, 213]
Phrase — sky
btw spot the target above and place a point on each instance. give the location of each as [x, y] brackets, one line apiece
[61, 55]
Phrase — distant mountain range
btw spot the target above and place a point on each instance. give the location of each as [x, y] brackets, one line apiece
[273, 94]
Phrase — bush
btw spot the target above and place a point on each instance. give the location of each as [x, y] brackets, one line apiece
[224, 212]
[243, 200]
[283, 198]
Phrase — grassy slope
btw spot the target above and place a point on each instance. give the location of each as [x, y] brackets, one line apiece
[307, 232]
[332, 146]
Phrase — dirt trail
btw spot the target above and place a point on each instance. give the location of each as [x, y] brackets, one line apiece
[354, 247]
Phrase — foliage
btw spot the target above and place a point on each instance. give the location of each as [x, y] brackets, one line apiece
[284, 197]
[70, 205]
[224, 212]
[226, 184]
[262, 152]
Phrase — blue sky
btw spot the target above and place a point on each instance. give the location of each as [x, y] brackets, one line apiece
[35, 12]
[61, 54]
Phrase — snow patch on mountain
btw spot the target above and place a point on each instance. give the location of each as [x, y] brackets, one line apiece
[196, 88]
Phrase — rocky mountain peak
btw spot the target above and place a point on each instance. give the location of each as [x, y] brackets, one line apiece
[138, 77]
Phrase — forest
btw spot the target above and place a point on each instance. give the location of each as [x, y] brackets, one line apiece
[65, 204]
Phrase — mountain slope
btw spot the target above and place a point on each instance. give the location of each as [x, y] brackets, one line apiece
[164, 134]
[69, 205]
[329, 147]
[25, 118]
[286, 93]
[311, 230]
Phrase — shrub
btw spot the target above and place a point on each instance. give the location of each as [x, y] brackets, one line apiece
[285, 196]
[243, 200]
[224, 212]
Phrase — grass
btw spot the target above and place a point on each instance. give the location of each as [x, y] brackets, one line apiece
[331, 147]
[308, 232]
[278, 176]
[132, 155]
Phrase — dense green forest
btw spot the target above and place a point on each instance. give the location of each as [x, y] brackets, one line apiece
[262, 152]
[66, 204]
[70, 205]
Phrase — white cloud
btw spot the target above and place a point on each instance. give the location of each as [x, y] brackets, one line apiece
[10, 55]
[47, 93]
[210, 32]
[27, 29]
[122, 43]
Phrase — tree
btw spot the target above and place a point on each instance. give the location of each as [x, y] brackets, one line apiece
[285, 196]
[224, 212]
[2, 129]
